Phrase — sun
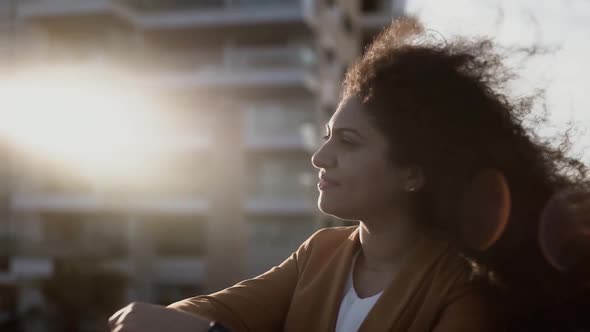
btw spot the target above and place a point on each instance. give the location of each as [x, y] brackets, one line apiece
[89, 121]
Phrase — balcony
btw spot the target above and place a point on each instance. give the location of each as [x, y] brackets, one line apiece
[377, 14]
[27, 268]
[280, 184]
[238, 67]
[272, 239]
[71, 235]
[276, 126]
[105, 248]
[7, 245]
[162, 14]
[171, 270]
[174, 237]
[179, 270]
[177, 184]
[58, 8]
[81, 202]
[299, 206]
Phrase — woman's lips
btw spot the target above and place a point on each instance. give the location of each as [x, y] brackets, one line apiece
[326, 184]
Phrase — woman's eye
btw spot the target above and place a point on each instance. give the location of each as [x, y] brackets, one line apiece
[326, 137]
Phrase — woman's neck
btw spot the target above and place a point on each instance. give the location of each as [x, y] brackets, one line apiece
[384, 244]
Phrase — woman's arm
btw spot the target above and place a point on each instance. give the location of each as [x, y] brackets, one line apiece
[144, 317]
[258, 304]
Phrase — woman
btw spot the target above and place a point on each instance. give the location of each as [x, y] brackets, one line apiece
[418, 120]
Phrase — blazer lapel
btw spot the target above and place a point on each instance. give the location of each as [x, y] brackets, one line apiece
[335, 281]
[389, 309]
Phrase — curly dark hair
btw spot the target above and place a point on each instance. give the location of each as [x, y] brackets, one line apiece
[441, 104]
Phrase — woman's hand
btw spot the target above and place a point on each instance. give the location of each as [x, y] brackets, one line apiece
[144, 317]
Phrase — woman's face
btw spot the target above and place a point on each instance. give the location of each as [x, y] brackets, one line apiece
[358, 180]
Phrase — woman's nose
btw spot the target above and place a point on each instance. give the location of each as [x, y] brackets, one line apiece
[322, 158]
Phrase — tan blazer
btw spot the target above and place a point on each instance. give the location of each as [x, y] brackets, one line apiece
[434, 291]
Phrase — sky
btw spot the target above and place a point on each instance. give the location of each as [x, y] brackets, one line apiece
[562, 26]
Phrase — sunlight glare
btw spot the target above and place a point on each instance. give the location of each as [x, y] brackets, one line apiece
[99, 127]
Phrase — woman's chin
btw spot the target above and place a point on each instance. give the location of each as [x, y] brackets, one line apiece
[335, 210]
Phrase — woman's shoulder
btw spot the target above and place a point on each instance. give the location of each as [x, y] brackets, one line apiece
[330, 236]
[465, 278]
[326, 242]
[449, 261]
[459, 269]
[341, 232]
[466, 294]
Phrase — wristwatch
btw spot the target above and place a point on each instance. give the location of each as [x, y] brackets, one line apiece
[217, 327]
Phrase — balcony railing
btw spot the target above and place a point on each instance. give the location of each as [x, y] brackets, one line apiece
[379, 13]
[271, 239]
[96, 248]
[40, 8]
[179, 270]
[271, 66]
[283, 178]
[166, 14]
[266, 57]
[275, 126]
[92, 203]
[168, 5]
[7, 244]
[234, 58]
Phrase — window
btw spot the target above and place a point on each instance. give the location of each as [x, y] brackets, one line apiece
[275, 120]
[4, 263]
[279, 175]
[177, 235]
[371, 6]
[329, 55]
[98, 236]
[106, 236]
[272, 239]
[60, 228]
[61, 184]
[346, 22]
[183, 175]
[167, 293]
[269, 55]
[152, 5]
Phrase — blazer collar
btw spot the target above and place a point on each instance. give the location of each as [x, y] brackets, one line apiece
[388, 310]
[389, 307]
[333, 280]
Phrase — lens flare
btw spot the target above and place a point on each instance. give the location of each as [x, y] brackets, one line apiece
[564, 231]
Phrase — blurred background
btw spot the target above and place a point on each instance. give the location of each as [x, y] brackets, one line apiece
[153, 150]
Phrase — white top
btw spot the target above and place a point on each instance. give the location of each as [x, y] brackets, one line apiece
[353, 309]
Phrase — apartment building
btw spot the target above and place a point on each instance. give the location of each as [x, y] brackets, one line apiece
[247, 78]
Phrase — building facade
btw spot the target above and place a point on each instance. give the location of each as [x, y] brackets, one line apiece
[248, 78]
